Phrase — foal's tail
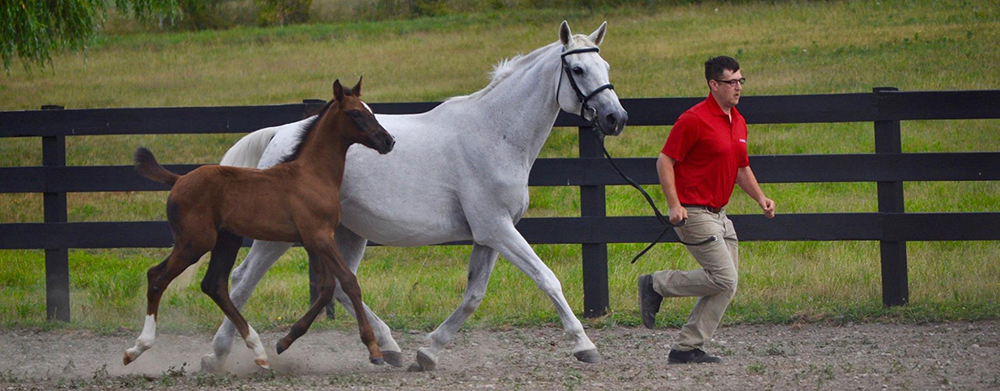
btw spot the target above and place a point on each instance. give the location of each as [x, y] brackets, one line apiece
[147, 166]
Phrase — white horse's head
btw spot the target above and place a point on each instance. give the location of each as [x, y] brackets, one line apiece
[584, 87]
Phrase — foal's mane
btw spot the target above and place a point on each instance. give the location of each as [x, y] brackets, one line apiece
[310, 126]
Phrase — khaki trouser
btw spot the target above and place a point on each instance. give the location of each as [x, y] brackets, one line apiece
[715, 283]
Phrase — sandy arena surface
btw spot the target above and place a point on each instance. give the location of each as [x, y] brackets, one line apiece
[959, 356]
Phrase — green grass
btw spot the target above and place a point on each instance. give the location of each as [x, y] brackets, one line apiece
[784, 48]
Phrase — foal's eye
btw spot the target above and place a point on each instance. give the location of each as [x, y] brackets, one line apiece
[577, 70]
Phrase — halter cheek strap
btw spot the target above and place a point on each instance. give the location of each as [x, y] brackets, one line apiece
[583, 98]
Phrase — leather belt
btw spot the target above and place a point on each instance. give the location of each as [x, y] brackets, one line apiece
[708, 208]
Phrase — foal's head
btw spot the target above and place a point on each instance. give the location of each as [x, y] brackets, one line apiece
[361, 126]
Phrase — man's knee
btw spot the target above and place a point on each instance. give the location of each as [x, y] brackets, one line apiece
[725, 280]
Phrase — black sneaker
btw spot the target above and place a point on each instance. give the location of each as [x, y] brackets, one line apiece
[694, 356]
[649, 301]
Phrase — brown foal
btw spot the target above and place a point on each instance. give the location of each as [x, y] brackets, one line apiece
[213, 207]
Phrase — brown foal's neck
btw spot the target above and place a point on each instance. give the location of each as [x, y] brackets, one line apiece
[325, 149]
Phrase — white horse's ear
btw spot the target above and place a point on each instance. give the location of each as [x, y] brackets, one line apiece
[356, 91]
[564, 33]
[598, 35]
[338, 91]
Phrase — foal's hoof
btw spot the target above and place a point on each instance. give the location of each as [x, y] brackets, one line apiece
[262, 363]
[393, 358]
[126, 359]
[588, 356]
[377, 360]
[424, 363]
[281, 347]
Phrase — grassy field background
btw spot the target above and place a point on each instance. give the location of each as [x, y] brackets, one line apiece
[783, 47]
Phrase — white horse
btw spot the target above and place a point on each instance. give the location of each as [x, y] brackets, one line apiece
[458, 172]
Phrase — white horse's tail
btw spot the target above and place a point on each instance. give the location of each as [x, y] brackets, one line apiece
[247, 151]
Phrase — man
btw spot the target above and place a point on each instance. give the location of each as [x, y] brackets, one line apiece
[704, 156]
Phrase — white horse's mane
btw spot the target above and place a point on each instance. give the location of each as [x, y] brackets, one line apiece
[507, 66]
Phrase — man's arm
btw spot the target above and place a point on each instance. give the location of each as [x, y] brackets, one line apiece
[665, 170]
[748, 182]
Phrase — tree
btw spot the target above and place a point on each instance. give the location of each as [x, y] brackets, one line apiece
[32, 29]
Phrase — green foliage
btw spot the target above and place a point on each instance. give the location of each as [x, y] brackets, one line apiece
[199, 15]
[282, 12]
[33, 29]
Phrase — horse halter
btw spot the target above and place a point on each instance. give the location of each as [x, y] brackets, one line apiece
[583, 98]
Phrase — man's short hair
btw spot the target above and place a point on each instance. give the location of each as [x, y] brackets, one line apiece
[714, 67]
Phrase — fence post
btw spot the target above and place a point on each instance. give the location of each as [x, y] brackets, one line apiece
[895, 285]
[56, 259]
[595, 255]
[309, 106]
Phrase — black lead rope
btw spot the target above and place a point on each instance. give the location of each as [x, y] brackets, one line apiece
[659, 216]
[584, 99]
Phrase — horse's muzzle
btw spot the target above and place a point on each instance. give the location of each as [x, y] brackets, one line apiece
[386, 145]
[612, 124]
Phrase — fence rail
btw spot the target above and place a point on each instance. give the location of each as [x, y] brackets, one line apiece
[888, 167]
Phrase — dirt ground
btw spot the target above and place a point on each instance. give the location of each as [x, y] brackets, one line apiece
[961, 356]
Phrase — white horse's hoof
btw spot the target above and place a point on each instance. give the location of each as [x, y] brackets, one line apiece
[262, 363]
[393, 358]
[210, 364]
[588, 356]
[424, 362]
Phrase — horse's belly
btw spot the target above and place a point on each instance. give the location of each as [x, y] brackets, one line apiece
[404, 229]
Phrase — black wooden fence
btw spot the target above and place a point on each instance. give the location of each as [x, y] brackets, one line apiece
[888, 166]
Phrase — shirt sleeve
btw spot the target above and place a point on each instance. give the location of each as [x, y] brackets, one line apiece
[742, 156]
[682, 137]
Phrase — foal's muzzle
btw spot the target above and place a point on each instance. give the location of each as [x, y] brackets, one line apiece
[385, 145]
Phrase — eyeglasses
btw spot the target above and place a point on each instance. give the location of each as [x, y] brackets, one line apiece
[732, 83]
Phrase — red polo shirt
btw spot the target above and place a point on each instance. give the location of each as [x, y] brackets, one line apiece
[708, 150]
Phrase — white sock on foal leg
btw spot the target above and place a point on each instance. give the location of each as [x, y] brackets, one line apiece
[253, 342]
[144, 342]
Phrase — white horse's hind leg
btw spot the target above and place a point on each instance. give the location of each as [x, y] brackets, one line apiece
[352, 249]
[481, 264]
[245, 277]
[512, 246]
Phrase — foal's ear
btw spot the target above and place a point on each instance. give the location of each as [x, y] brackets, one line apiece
[356, 91]
[564, 33]
[598, 35]
[338, 91]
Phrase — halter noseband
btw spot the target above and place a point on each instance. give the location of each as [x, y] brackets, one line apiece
[583, 98]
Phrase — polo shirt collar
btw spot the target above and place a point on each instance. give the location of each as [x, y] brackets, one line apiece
[716, 110]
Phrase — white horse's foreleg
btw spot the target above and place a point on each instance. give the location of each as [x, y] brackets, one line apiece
[515, 249]
[481, 264]
[245, 277]
[352, 249]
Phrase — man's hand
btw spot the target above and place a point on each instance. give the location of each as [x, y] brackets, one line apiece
[767, 205]
[678, 214]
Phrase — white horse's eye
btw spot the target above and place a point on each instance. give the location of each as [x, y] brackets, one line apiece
[577, 70]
